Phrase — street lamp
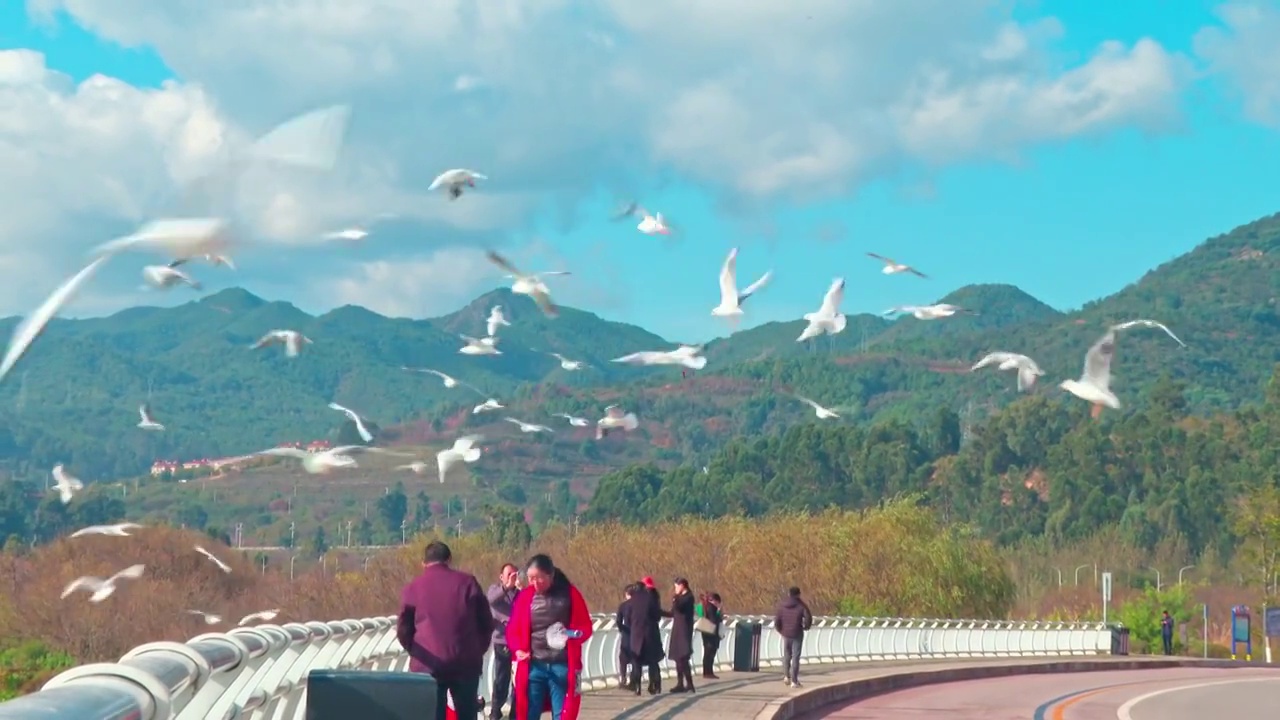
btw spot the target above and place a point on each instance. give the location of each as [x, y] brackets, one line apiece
[404, 532]
[1159, 586]
[1078, 571]
[1182, 570]
[292, 560]
[349, 524]
[1059, 576]
[292, 528]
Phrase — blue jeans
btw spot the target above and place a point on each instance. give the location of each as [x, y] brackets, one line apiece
[547, 680]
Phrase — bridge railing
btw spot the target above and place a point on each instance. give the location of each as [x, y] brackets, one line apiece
[261, 672]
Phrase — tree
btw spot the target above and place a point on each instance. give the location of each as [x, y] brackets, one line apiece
[508, 529]
[1256, 521]
[393, 508]
[319, 542]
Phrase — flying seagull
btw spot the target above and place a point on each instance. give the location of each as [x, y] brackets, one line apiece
[822, 412]
[685, 355]
[210, 258]
[66, 484]
[147, 423]
[573, 420]
[292, 340]
[615, 419]
[365, 435]
[162, 277]
[495, 319]
[263, 615]
[213, 558]
[528, 427]
[1094, 384]
[1148, 324]
[209, 618]
[464, 450]
[566, 363]
[892, 267]
[929, 312]
[1027, 368]
[455, 180]
[480, 346]
[530, 285]
[178, 238]
[32, 325]
[117, 530]
[319, 463]
[828, 319]
[102, 588]
[448, 380]
[730, 299]
[490, 404]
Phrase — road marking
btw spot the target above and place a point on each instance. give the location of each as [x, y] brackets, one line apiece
[1124, 713]
[1061, 709]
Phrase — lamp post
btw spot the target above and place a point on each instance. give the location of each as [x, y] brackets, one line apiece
[1077, 577]
[1159, 585]
[292, 560]
[1181, 570]
[1059, 576]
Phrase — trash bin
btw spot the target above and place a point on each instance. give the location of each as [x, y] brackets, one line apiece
[368, 695]
[1119, 640]
[746, 646]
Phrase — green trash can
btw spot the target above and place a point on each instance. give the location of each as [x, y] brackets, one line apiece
[746, 646]
[368, 695]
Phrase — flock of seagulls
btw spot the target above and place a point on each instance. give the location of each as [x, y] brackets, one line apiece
[209, 239]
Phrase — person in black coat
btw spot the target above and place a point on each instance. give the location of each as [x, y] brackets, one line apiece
[644, 612]
[680, 648]
[711, 643]
[623, 622]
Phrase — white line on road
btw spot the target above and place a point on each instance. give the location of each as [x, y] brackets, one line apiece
[1124, 712]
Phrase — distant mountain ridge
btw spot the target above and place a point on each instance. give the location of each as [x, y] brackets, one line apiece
[74, 397]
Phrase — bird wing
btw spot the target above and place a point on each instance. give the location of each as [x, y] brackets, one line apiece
[644, 357]
[88, 582]
[831, 301]
[514, 421]
[1150, 324]
[34, 324]
[144, 412]
[914, 271]
[901, 309]
[466, 442]
[345, 411]
[1097, 362]
[883, 259]
[503, 263]
[995, 357]
[1027, 376]
[284, 452]
[809, 402]
[133, 572]
[753, 287]
[546, 273]
[728, 281]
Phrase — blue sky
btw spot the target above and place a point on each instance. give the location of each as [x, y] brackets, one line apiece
[1130, 196]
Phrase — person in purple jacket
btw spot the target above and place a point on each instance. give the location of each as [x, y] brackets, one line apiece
[446, 627]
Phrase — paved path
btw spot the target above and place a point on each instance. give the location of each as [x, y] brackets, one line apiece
[739, 696]
[1189, 693]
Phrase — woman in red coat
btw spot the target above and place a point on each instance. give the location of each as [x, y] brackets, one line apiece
[547, 664]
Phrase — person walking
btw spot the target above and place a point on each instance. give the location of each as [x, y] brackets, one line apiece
[791, 621]
[622, 621]
[1166, 632]
[713, 616]
[680, 646]
[446, 627]
[500, 595]
[550, 622]
[644, 613]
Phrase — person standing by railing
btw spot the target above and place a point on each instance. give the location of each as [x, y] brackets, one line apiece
[622, 622]
[550, 622]
[446, 626]
[791, 621]
[644, 639]
[709, 627]
[500, 595]
[680, 647]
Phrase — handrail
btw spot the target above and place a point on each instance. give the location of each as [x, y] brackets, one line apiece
[261, 672]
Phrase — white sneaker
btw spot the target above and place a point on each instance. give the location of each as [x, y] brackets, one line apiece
[787, 681]
[795, 684]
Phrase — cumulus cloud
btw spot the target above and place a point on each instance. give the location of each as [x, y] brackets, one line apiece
[1246, 51]
[762, 103]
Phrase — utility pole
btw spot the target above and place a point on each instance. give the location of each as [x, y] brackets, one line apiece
[349, 524]
[404, 532]
[239, 534]
[292, 529]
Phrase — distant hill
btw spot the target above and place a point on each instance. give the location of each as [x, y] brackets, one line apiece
[74, 398]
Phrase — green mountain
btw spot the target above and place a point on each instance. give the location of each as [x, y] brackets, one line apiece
[74, 398]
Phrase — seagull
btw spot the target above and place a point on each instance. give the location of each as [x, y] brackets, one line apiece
[292, 340]
[211, 258]
[209, 618]
[615, 419]
[489, 404]
[480, 346]
[892, 267]
[821, 412]
[530, 285]
[319, 463]
[103, 589]
[730, 299]
[417, 467]
[1148, 324]
[448, 380]
[929, 312]
[455, 180]
[1027, 368]
[146, 423]
[828, 319]
[653, 224]
[163, 277]
[179, 238]
[566, 363]
[685, 355]
[495, 319]
[464, 450]
[574, 421]
[221, 565]
[32, 325]
[528, 427]
[365, 435]
[66, 484]
[118, 530]
[357, 232]
[264, 616]
[1094, 384]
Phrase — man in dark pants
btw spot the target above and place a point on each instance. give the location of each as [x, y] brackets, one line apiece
[500, 596]
[1166, 632]
[623, 622]
[446, 627]
[791, 621]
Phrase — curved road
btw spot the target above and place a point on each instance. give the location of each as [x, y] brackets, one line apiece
[1172, 694]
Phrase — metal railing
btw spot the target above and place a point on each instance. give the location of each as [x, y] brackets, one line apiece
[261, 672]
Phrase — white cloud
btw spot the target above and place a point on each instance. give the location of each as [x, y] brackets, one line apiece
[761, 102]
[1247, 52]
[413, 287]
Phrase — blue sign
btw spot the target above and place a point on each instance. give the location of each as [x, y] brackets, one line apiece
[1271, 623]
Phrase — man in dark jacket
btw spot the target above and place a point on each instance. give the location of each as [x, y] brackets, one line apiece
[791, 621]
[1166, 632]
[446, 627]
[623, 622]
[500, 595]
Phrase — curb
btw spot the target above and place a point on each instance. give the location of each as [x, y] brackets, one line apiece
[841, 693]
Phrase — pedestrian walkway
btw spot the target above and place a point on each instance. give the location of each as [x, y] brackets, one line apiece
[743, 695]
